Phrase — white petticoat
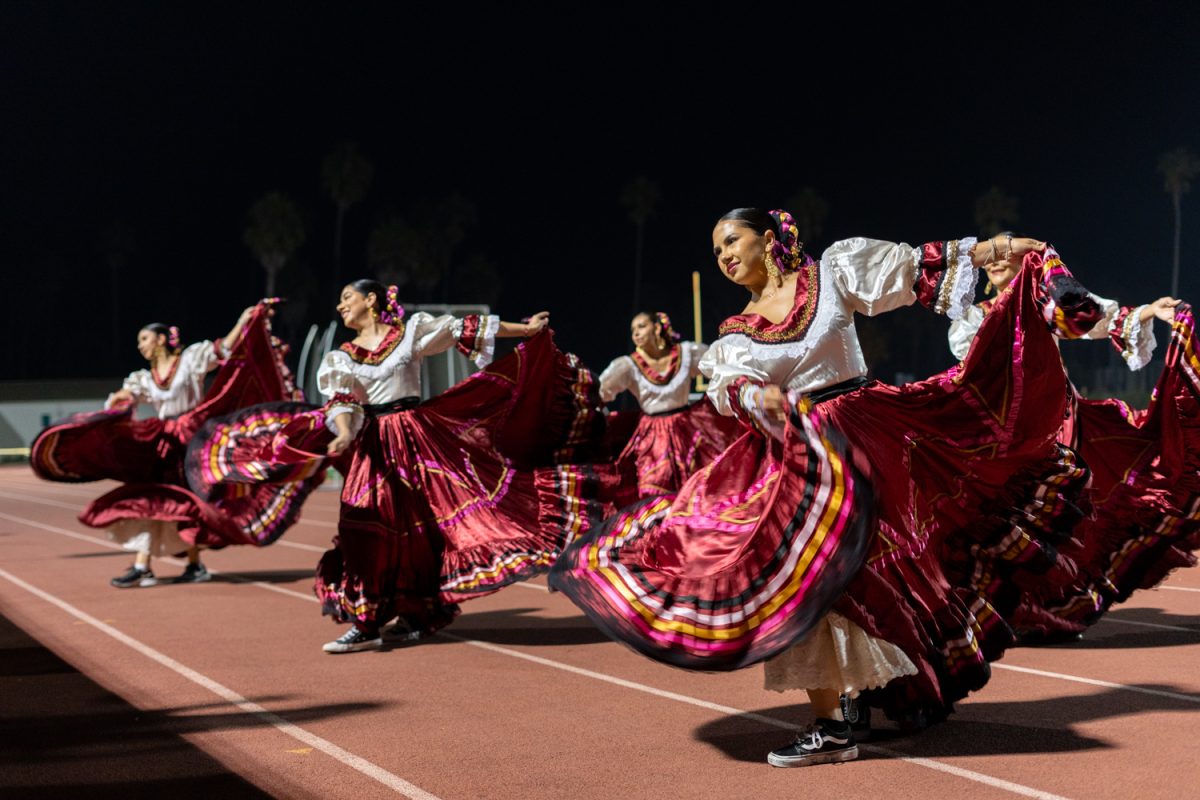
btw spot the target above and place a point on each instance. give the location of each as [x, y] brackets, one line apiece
[153, 536]
[837, 654]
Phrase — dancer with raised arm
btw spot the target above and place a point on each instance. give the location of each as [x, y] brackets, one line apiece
[818, 544]
[1144, 462]
[673, 437]
[442, 499]
[154, 513]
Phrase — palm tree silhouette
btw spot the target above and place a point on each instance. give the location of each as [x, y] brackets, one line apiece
[346, 174]
[1177, 167]
[640, 197]
[274, 231]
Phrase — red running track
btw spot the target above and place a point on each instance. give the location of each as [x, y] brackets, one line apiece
[221, 689]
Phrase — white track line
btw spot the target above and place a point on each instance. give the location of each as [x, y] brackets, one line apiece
[1016, 788]
[55, 504]
[1187, 698]
[176, 561]
[1177, 589]
[978, 777]
[373, 771]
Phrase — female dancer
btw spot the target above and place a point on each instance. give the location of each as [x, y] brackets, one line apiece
[777, 541]
[153, 514]
[441, 502]
[672, 439]
[1145, 480]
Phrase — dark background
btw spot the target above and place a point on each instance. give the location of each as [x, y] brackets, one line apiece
[136, 137]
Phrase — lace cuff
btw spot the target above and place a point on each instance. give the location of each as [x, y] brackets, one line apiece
[476, 337]
[946, 276]
[1133, 338]
[343, 403]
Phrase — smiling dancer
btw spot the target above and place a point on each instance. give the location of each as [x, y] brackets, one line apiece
[673, 438]
[818, 543]
[1145, 464]
[441, 501]
[154, 513]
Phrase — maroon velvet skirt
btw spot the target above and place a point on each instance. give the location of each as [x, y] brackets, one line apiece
[1145, 493]
[912, 510]
[148, 456]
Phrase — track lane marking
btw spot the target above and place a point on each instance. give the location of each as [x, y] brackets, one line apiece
[1158, 625]
[1187, 698]
[357, 763]
[55, 504]
[1016, 788]
[949, 769]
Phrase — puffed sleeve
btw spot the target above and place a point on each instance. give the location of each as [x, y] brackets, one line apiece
[474, 335]
[1122, 325]
[696, 351]
[343, 392]
[137, 384]
[201, 358]
[615, 379]
[873, 276]
[963, 330]
[735, 385]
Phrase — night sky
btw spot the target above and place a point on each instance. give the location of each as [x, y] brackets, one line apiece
[136, 136]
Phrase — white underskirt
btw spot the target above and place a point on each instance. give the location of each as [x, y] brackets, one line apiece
[151, 536]
[837, 655]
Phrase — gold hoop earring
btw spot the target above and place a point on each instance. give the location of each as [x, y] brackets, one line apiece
[374, 314]
[773, 273]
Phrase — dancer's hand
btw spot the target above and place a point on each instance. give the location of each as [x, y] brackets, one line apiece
[773, 403]
[121, 397]
[1004, 248]
[339, 445]
[537, 323]
[1163, 308]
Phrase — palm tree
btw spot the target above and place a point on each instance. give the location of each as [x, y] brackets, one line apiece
[274, 231]
[346, 175]
[809, 210]
[1178, 167]
[995, 211]
[640, 197]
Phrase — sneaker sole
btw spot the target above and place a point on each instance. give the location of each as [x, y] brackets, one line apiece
[848, 754]
[374, 644]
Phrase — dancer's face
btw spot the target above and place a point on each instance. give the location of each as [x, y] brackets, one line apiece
[148, 341]
[740, 251]
[644, 331]
[355, 308]
[1001, 273]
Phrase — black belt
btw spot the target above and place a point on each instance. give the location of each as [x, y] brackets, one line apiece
[383, 409]
[679, 410]
[837, 390]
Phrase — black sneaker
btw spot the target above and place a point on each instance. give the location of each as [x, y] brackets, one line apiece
[826, 742]
[354, 640]
[193, 573]
[858, 714]
[134, 577]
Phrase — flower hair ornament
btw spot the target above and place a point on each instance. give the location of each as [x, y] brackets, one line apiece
[393, 312]
[667, 329]
[787, 250]
[173, 337]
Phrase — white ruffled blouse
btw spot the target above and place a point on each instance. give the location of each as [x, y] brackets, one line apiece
[1133, 338]
[817, 346]
[624, 375]
[353, 377]
[184, 387]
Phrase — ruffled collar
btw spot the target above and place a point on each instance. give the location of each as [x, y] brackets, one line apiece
[791, 328]
[652, 375]
[166, 381]
[389, 342]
